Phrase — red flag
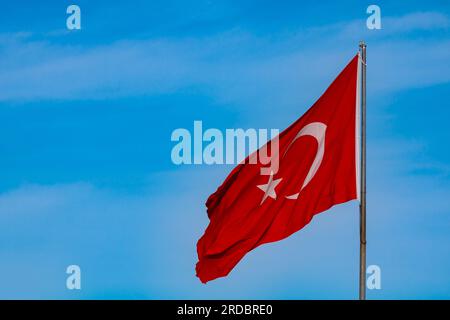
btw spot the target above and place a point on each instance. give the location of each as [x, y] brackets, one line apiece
[318, 168]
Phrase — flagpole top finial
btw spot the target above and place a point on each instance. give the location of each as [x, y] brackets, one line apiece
[362, 44]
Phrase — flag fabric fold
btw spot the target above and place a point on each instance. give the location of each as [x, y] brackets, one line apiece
[317, 168]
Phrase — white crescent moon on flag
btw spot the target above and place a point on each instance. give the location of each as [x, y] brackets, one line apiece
[316, 130]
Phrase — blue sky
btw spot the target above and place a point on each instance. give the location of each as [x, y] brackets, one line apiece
[87, 116]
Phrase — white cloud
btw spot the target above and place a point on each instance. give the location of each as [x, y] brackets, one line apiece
[417, 21]
[233, 67]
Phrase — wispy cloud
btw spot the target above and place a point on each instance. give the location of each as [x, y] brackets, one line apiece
[234, 67]
[427, 21]
[391, 26]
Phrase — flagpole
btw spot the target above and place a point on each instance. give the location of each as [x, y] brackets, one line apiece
[362, 205]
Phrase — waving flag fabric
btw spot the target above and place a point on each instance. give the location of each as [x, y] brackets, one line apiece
[318, 168]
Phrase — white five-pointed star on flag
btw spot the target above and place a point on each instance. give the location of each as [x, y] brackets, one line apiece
[269, 188]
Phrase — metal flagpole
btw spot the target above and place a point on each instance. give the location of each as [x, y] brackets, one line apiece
[362, 205]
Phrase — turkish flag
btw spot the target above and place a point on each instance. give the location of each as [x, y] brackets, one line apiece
[318, 167]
